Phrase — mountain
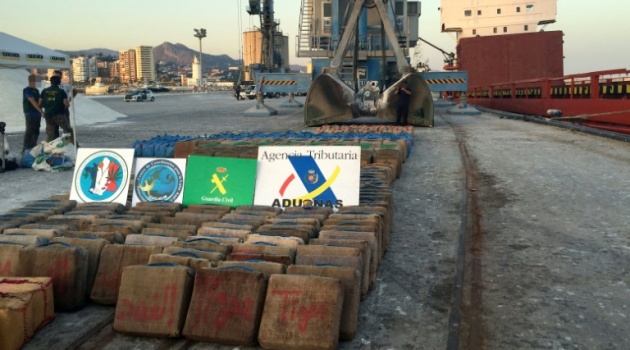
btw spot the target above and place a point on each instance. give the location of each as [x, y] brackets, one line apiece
[182, 55]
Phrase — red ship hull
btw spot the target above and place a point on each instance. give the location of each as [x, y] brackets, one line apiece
[505, 73]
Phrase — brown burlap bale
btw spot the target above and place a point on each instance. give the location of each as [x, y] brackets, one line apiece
[382, 211]
[368, 259]
[110, 237]
[218, 238]
[257, 208]
[181, 234]
[351, 282]
[200, 216]
[13, 259]
[183, 149]
[205, 209]
[48, 233]
[182, 221]
[291, 242]
[159, 206]
[41, 291]
[313, 223]
[208, 243]
[191, 260]
[192, 228]
[281, 259]
[226, 306]
[298, 231]
[16, 321]
[205, 230]
[146, 219]
[67, 266]
[150, 240]
[355, 262]
[23, 240]
[123, 229]
[264, 249]
[207, 254]
[153, 300]
[49, 226]
[309, 210]
[370, 237]
[220, 224]
[293, 215]
[94, 248]
[114, 258]
[301, 312]
[268, 268]
[79, 223]
[99, 206]
[314, 249]
[137, 225]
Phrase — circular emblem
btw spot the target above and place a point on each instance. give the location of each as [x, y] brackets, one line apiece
[102, 177]
[311, 177]
[159, 181]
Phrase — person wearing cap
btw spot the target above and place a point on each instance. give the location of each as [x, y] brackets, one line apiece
[70, 92]
[55, 102]
[32, 113]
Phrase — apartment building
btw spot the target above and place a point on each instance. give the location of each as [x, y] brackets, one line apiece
[84, 68]
[145, 64]
[128, 67]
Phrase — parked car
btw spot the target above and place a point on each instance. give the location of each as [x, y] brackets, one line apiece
[140, 95]
[250, 93]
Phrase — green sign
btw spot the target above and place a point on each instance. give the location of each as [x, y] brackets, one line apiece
[219, 181]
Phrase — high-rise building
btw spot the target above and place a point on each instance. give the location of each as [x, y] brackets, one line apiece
[127, 63]
[114, 69]
[83, 68]
[145, 64]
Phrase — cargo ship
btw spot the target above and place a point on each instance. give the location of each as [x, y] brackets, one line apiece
[514, 65]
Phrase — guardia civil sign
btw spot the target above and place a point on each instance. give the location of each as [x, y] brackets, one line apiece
[219, 181]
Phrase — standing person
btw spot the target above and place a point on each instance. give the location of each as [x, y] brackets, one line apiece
[237, 91]
[32, 113]
[55, 102]
[402, 110]
[70, 92]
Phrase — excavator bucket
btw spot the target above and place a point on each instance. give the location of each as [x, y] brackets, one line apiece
[329, 100]
[420, 104]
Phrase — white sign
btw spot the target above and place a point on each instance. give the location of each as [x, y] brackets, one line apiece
[290, 176]
[102, 175]
[159, 180]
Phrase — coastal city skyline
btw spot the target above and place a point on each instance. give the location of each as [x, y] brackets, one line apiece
[80, 26]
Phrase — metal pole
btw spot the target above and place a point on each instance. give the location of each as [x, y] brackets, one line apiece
[200, 33]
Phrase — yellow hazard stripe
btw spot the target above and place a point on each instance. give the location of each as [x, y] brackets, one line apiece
[446, 81]
[279, 82]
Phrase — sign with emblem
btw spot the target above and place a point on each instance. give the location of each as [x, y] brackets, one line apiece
[219, 181]
[326, 176]
[159, 180]
[102, 175]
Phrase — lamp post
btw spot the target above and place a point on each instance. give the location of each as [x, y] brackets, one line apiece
[200, 33]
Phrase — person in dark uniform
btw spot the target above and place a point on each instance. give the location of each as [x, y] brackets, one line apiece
[32, 113]
[55, 102]
[402, 108]
[237, 91]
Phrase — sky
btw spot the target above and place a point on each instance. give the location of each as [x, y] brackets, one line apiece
[596, 32]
